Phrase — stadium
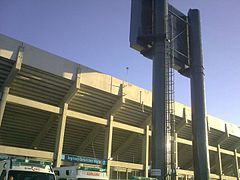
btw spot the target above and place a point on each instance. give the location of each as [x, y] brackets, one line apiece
[52, 106]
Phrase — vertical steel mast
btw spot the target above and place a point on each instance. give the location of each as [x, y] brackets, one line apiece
[160, 157]
[199, 125]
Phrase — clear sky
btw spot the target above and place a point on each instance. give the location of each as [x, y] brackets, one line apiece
[95, 33]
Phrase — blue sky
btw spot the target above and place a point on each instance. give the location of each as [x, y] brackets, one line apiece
[95, 33]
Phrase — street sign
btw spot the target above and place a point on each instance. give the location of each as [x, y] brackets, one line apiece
[83, 159]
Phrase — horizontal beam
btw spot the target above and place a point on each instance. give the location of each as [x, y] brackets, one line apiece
[33, 104]
[224, 151]
[25, 152]
[210, 148]
[128, 127]
[229, 177]
[184, 141]
[184, 172]
[190, 173]
[126, 165]
[86, 117]
[54, 109]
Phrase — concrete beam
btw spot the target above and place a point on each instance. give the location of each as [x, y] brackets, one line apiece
[125, 145]
[126, 165]
[236, 164]
[67, 99]
[213, 166]
[229, 178]
[226, 165]
[89, 139]
[185, 172]
[3, 103]
[126, 127]
[211, 148]
[74, 88]
[147, 122]
[145, 153]
[33, 104]
[47, 126]
[117, 106]
[131, 138]
[176, 151]
[85, 117]
[184, 141]
[236, 145]
[60, 137]
[191, 174]
[183, 123]
[50, 108]
[6, 86]
[224, 137]
[229, 167]
[219, 162]
[108, 143]
[231, 153]
[10, 150]
[108, 139]
[15, 69]
[95, 131]
[208, 124]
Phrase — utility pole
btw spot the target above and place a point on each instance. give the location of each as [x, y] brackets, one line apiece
[159, 129]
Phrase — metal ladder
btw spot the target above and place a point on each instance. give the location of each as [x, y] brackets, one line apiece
[170, 109]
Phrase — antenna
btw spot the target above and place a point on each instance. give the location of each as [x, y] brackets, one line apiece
[127, 69]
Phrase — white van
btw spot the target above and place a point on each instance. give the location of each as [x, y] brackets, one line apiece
[26, 169]
[80, 173]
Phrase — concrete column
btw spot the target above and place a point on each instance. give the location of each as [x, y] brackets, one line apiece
[7, 84]
[127, 174]
[176, 155]
[3, 102]
[108, 143]
[236, 164]
[145, 153]
[220, 173]
[60, 136]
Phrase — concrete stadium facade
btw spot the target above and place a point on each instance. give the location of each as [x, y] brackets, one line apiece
[50, 105]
